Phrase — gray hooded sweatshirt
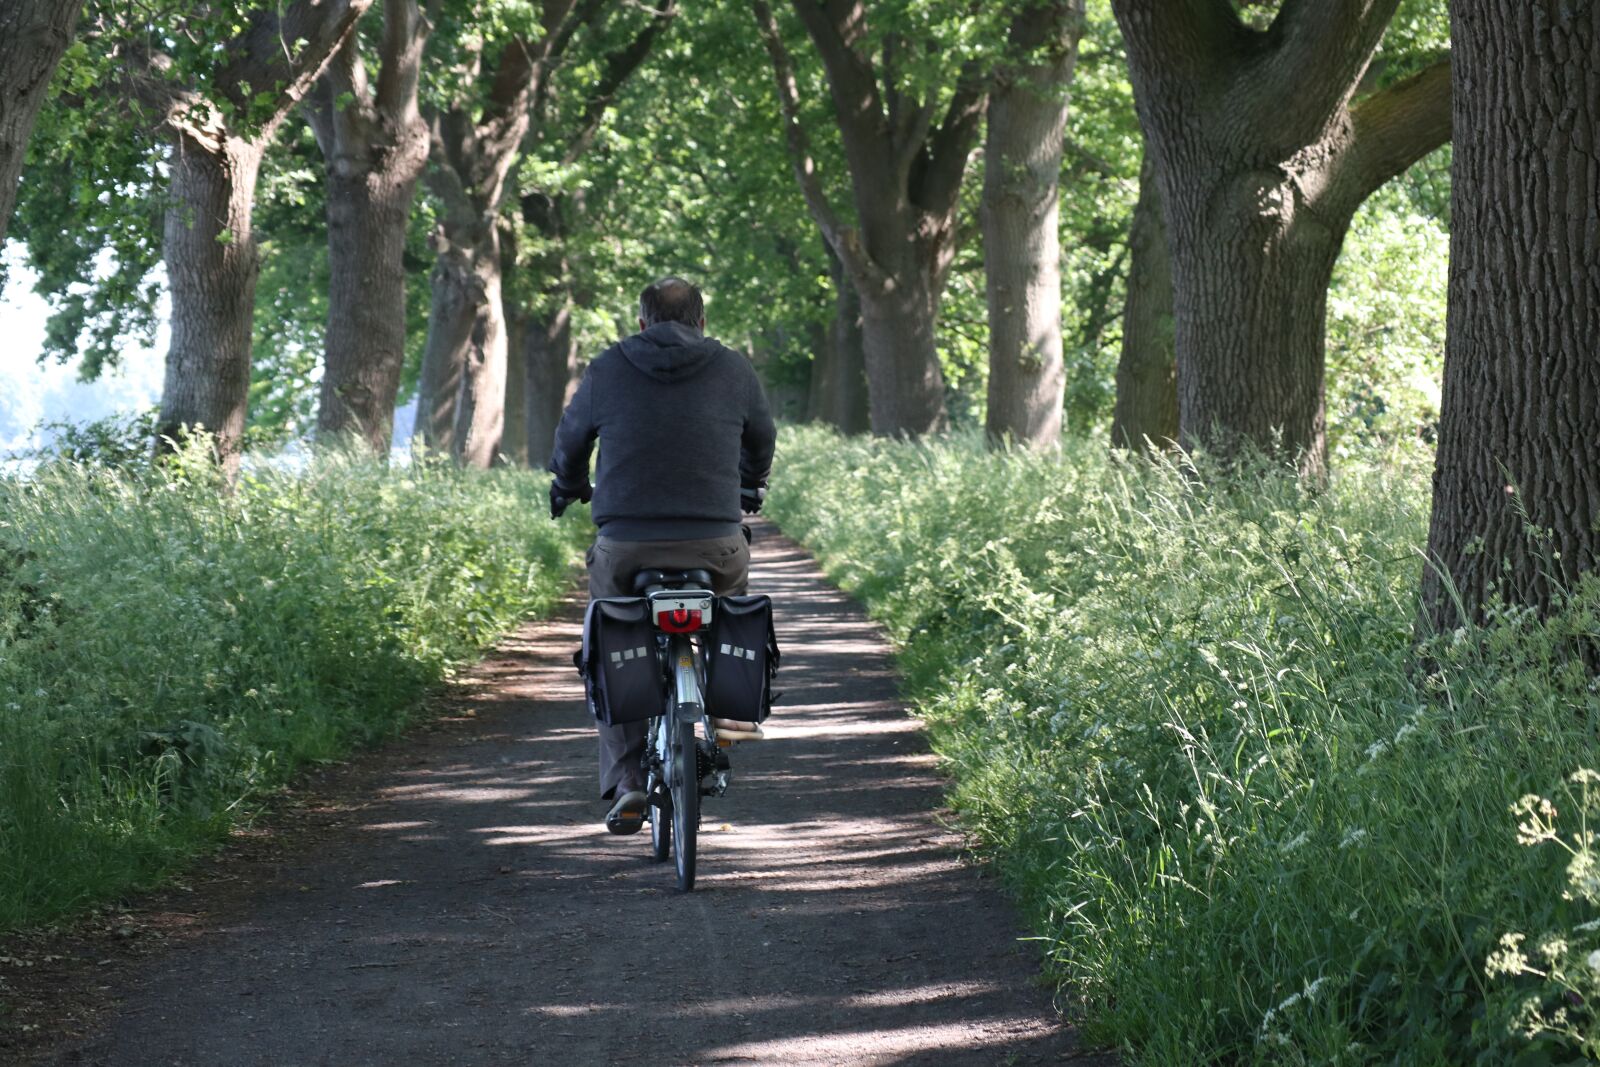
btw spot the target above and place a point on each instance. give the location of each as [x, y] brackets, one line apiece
[683, 424]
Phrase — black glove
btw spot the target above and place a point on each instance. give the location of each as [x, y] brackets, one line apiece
[562, 497]
[751, 498]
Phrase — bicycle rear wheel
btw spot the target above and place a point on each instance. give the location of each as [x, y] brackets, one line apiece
[685, 802]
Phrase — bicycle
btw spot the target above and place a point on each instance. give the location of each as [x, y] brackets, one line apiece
[680, 765]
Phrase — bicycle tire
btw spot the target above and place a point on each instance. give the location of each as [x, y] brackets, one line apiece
[685, 804]
[660, 826]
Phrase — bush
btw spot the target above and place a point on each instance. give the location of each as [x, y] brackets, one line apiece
[170, 654]
[1187, 721]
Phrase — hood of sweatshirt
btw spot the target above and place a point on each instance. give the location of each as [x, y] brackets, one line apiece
[670, 351]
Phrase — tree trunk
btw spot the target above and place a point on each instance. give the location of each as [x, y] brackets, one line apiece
[1147, 372]
[481, 399]
[453, 312]
[1021, 239]
[33, 35]
[365, 349]
[905, 386]
[1516, 506]
[514, 441]
[1251, 288]
[212, 264]
[550, 367]
[839, 381]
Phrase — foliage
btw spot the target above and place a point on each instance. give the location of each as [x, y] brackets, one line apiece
[169, 656]
[1386, 317]
[687, 176]
[116, 441]
[1185, 720]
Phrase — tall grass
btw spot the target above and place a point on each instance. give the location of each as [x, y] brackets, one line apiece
[169, 654]
[1188, 721]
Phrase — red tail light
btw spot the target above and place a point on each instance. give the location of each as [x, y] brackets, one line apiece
[679, 621]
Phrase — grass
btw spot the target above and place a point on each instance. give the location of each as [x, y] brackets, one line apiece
[170, 655]
[1187, 720]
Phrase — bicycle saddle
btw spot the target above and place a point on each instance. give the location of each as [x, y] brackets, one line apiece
[695, 579]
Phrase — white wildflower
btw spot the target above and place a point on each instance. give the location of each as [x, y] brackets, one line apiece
[1594, 960]
[1353, 836]
[1295, 842]
[1508, 958]
[1377, 748]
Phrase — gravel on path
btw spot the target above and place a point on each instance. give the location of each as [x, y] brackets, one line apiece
[471, 909]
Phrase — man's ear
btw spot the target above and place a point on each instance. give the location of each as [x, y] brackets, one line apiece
[702, 324]
[642, 326]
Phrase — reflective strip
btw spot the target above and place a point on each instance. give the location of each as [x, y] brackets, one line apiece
[750, 653]
[725, 649]
[616, 657]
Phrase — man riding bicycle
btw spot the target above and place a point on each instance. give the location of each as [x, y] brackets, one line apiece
[686, 444]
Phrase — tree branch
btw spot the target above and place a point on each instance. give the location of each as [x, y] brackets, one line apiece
[935, 179]
[619, 67]
[805, 167]
[1393, 128]
[835, 26]
[405, 34]
[1317, 50]
[262, 51]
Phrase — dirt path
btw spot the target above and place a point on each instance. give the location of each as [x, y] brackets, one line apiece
[472, 910]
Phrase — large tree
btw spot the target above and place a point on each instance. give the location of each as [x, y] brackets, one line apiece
[1516, 507]
[539, 305]
[907, 157]
[1264, 154]
[218, 109]
[478, 136]
[1021, 222]
[33, 35]
[375, 144]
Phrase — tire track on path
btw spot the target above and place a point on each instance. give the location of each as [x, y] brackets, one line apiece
[472, 910]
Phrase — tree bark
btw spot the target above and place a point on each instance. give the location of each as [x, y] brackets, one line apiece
[33, 36]
[1516, 506]
[906, 166]
[375, 144]
[457, 294]
[212, 264]
[1263, 161]
[514, 441]
[1021, 212]
[481, 399]
[1147, 371]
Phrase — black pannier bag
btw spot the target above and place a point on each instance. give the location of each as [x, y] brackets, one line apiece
[741, 658]
[621, 673]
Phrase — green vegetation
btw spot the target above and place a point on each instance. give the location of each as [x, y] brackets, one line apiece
[1185, 716]
[169, 655]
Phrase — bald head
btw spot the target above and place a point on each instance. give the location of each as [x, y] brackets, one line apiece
[672, 300]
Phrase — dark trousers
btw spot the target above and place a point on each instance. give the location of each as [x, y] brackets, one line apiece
[612, 565]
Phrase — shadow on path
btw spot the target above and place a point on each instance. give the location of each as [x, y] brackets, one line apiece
[476, 912]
